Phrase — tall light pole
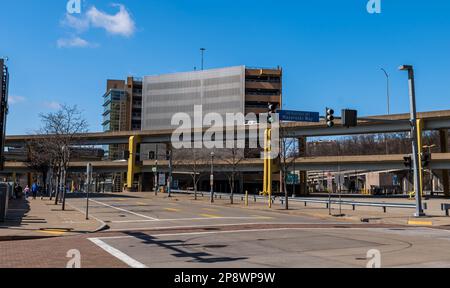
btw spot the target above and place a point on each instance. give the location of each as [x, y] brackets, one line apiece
[156, 171]
[212, 177]
[415, 146]
[202, 50]
[388, 93]
[429, 147]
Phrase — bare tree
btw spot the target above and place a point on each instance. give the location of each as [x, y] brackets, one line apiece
[61, 128]
[193, 161]
[42, 158]
[233, 157]
[288, 155]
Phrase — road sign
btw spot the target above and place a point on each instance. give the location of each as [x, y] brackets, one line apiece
[340, 180]
[299, 116]
[154, 169]
[292, 179]
[330, 182]
[162, 179]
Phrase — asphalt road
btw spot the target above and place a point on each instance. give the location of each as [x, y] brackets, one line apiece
[157, 232]
[144, 211]
[148, 231]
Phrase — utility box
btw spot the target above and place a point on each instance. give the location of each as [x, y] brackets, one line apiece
[4, 198]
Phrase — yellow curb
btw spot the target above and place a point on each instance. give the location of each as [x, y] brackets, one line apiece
[53, 232]
[209, 216]
[420, 223]
[172, 210]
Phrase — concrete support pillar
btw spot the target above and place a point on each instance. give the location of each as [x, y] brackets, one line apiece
[444, 149]
[302, 144]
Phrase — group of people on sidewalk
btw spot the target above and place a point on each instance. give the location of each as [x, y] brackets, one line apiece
[34, 191]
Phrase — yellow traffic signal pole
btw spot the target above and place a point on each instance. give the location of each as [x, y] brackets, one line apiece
[269, 165]
[266, 133]
[267, 189]
[133, 167]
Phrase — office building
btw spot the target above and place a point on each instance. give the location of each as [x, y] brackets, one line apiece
[225, 90]
[122, 105]
[4, 82]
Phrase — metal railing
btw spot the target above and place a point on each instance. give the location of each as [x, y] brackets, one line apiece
[306, 201]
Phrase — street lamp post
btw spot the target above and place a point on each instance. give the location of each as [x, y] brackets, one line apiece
[169, 185]
[203, 57]
[415, 146]
[212, 177]
[388, 93]
[156, 171]
[429, 147]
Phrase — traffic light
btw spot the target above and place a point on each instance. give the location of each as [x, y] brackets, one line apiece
[408, 161]
[349, 118]
[126, 155]
[330, 117]
[272, 110]
[426, 158]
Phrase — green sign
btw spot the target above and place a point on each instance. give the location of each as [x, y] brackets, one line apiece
[292, 179]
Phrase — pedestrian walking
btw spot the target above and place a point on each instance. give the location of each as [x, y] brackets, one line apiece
[34, 190]
[26, 191]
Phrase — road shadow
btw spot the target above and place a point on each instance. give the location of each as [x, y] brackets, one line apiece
[176, 247]
[16, 215]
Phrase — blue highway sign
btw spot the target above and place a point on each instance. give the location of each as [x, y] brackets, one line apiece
[299, 116]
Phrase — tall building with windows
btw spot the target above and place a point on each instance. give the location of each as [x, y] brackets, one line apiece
[4, 82]
[122, 109]
[149, 104]
[225, 90]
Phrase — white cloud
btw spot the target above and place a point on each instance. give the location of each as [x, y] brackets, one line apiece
[73, 42]
[52, 105]
[79, 24]
[13, 100]
[120, 23]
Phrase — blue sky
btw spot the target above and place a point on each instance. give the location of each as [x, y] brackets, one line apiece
[331, 51]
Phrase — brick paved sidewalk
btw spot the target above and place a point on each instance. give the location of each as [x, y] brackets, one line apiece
[53, 253]
[30, 219]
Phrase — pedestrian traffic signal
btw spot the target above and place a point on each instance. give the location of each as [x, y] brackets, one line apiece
[426, 159]
[408, 161]
[272, 110]
[330, 117]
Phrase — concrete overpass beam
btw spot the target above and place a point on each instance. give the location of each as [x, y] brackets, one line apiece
[444, 149]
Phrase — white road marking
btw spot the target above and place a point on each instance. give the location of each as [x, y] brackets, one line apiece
[124, 210]
[191, 219]
[118, 254]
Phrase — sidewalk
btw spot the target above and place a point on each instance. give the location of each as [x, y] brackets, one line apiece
[34, 219]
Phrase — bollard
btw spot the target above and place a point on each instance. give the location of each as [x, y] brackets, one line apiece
[246, 198]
